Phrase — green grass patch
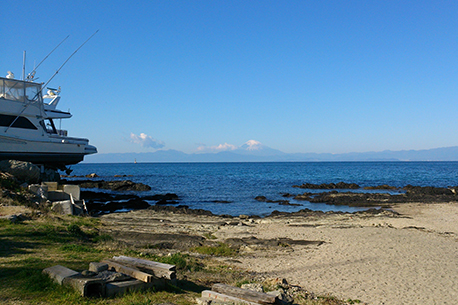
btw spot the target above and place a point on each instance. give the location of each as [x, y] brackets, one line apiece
[221, 249]
[77, 248]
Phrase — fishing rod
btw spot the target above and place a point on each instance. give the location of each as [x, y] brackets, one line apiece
[44, 86]
[31, 75]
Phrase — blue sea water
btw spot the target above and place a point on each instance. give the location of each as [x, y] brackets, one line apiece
[207, 185]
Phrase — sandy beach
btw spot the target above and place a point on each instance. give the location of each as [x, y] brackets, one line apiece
[410, 258]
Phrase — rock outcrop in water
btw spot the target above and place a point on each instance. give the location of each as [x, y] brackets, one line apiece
[409, 193]
[118, 185]
[102, 203]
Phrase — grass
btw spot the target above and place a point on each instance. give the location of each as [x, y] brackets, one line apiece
[221, 249]
[28, 247]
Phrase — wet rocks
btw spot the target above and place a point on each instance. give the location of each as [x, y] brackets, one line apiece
[328, 186]
[122, 185]
[408, 193]
[101, 203]
[280, 202]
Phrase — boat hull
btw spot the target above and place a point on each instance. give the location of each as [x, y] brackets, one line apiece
[43, 152]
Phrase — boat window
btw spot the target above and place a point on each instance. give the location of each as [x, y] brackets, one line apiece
[21, 122]
[19, 90]
[50, 127]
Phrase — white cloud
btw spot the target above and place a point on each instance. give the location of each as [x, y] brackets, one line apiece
[216, 148]
[146, 141]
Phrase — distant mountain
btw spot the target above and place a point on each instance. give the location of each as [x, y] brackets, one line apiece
[253, 151]
[255, 148]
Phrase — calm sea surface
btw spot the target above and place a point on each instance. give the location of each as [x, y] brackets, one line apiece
[205, 185]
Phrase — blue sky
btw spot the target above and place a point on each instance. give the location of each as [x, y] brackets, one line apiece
[298, 76]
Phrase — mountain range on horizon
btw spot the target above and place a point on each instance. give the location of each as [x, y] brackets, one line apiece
[253, 151]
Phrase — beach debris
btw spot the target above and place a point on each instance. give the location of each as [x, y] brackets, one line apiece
[115, 276]
[64, 199]
[221, 293]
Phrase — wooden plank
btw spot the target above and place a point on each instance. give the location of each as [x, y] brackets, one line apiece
[135, 273]
[145, 262]
[159, 269]
[213, 295]
[244, 294]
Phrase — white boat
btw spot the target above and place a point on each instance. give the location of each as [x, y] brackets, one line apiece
[27, 129]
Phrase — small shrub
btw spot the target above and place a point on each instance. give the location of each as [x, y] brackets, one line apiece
[75, 230]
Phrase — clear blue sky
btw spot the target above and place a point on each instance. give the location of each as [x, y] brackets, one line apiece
[298, 76]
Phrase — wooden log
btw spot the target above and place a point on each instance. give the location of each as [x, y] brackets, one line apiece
[159, 269]
[135, 273]
[247, 295]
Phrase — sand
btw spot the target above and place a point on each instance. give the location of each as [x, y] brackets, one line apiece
[377, 259]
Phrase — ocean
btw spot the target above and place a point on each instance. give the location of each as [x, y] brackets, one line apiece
[230, 188]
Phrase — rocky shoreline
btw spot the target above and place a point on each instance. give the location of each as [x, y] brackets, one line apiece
[123, 194]
[127, 195]
[402, 255]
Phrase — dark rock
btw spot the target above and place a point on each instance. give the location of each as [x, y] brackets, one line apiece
[330, 186]
[22, 171]
[163, 201]
[181, 209]
[381, 187]
[261, 198]
[280, 202]
[158, 197]
[122, 185]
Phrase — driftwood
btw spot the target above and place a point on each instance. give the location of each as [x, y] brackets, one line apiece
[247, 295]
[159, 270]
[135, 273]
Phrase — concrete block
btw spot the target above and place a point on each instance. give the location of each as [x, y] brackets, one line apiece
[97, 267]
[58, 195]
[52, 186]
[63, 207]
[74, 190]
[87, 287]
[120, 288]
[58, 273]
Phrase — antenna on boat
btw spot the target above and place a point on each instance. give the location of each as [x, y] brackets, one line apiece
[44, 86]
[69, 59]
[31, 75]
[23, 67]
